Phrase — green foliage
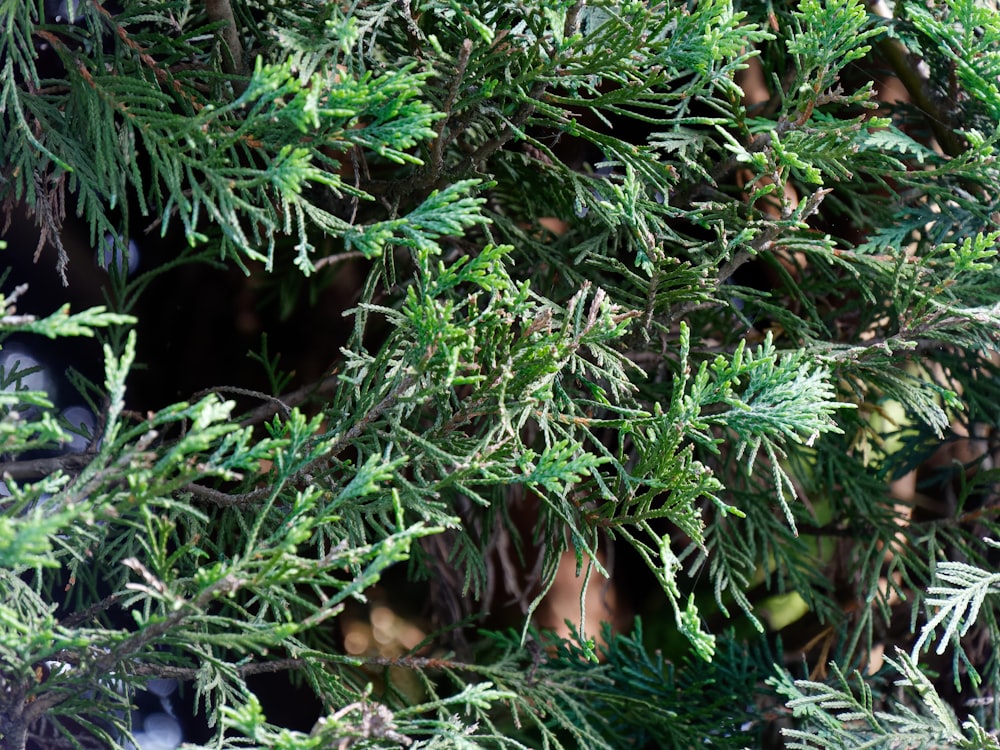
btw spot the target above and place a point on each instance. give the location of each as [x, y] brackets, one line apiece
[619, 702]
[966, 33]
[612, 298]
[840, 715]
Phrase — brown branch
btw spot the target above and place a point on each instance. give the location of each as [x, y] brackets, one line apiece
[73, 463]
[221, 11]
[78, 618]
[292, 399]
[907, 71]
[38, 468]
[225, 499]
[170, 672]
[437, 150]
[273, 401]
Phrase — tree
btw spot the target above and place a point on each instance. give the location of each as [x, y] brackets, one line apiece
[603, 281]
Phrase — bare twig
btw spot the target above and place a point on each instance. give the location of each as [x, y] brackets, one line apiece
[104, 662]
[73, 463]
[331, 260]
[292, 399]
[11, 298]
[226, 499]
[78, 618]
[374, 413]
[170, 672]
[273, 400]
[38, 468]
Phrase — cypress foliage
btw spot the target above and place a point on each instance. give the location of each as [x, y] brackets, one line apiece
[601, 279]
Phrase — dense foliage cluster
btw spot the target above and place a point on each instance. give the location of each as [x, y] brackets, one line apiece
[712, 284]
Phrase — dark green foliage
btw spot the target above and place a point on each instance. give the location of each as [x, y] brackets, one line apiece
[600, 281]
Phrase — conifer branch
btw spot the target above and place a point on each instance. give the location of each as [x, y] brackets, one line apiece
[514, 126]
[761, 243]
[246, 499]
[100, 664]
[559, 343]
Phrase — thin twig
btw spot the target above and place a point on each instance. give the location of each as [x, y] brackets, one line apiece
[274, 400]
[292, 399]
[330, 260]
[437, 150]
[374, 413]
[73, 463]
[225, 499]
[170, 672]
[78, 618]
